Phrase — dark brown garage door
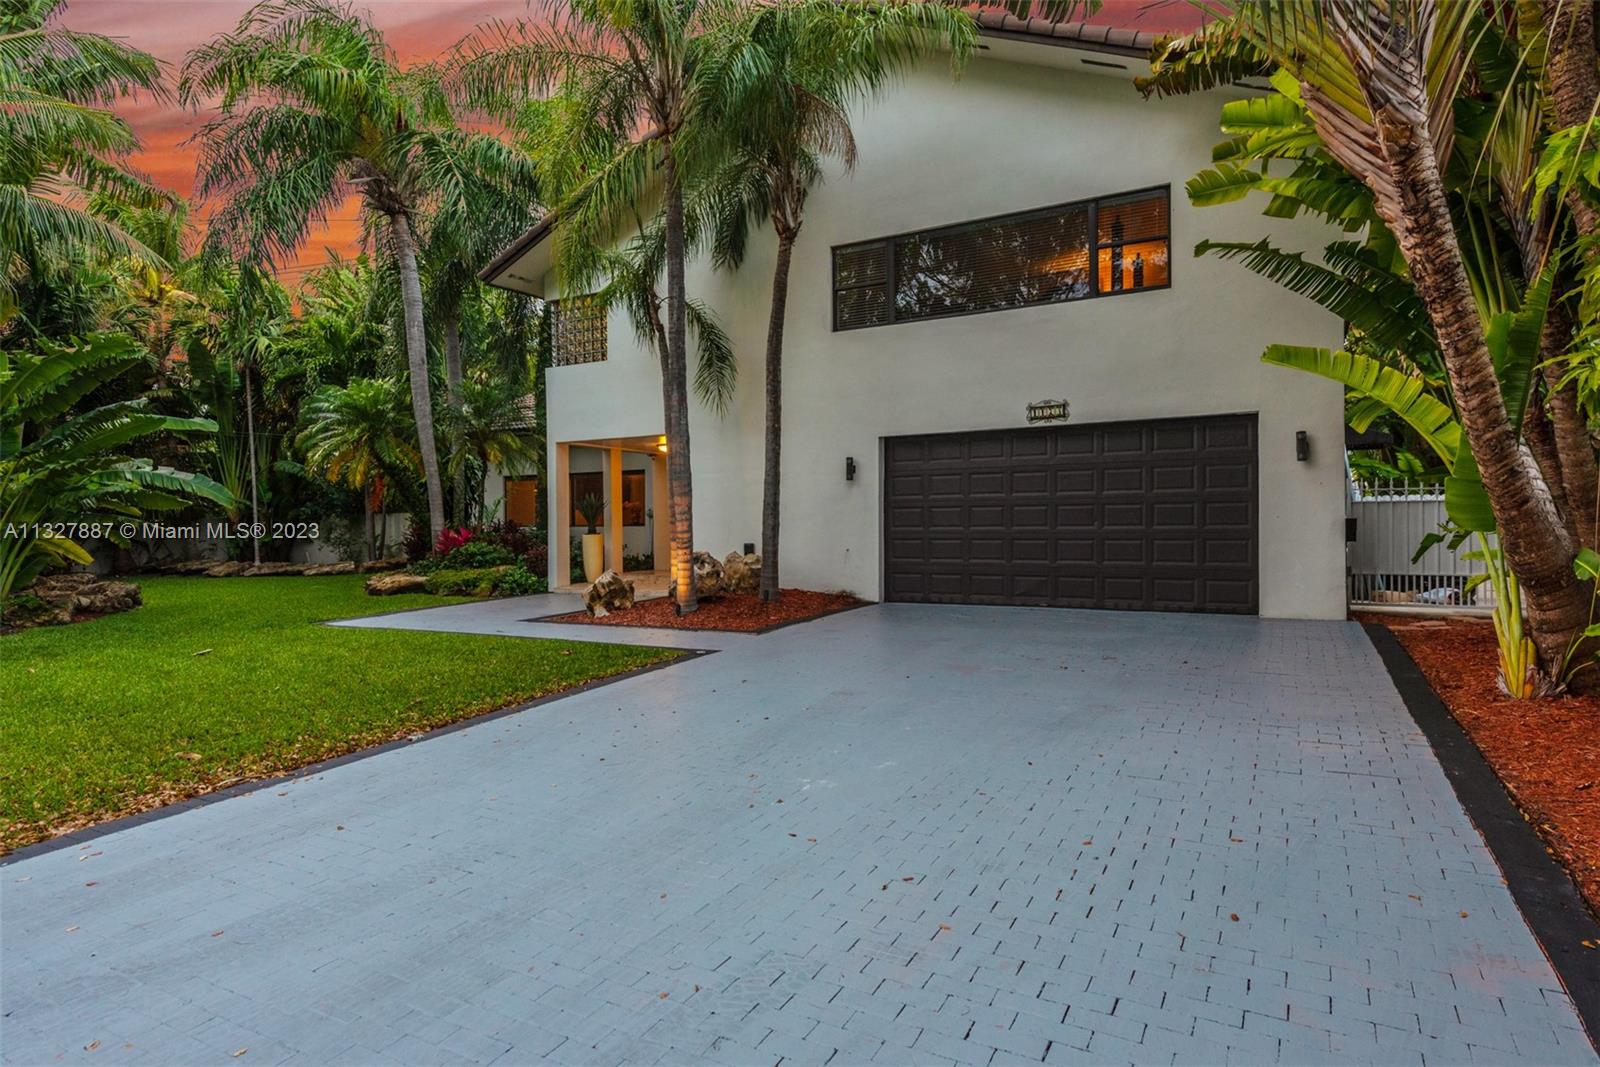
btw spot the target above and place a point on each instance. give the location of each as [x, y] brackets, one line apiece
[1152, 516]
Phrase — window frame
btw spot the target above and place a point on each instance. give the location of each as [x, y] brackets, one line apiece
[588, 305]
[1094, 247]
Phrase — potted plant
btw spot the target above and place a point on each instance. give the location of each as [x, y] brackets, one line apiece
[593, 509]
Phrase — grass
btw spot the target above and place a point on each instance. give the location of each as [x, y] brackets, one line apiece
[218, 680]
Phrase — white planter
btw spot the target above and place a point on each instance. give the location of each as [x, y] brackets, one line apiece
[594, 555]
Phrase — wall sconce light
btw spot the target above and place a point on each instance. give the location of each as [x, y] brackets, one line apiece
[849, 468]
[661, 443]
[1302, 446]
[749, 548]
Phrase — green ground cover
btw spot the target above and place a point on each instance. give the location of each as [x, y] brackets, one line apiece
[217, 680]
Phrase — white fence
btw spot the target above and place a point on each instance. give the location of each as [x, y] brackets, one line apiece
[1391, 520]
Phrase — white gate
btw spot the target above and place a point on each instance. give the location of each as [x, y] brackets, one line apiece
[1391, 519]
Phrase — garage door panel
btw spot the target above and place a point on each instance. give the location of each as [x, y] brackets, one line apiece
[1153, 516]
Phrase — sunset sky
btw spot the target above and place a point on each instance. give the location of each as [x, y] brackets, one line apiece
[416, 30]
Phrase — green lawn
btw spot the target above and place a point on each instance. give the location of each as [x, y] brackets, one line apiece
[107, 717]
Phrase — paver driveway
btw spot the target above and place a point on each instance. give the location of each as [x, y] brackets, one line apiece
[899, 835]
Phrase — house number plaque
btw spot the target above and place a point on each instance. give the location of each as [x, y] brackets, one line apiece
[1049, 411]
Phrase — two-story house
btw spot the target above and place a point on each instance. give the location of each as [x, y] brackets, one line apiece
[1007, 378]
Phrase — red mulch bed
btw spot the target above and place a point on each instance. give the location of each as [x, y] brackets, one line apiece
[731, 612]
[1546, 751]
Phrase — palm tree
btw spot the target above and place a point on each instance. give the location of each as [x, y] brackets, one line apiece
[815, 56]
[1379, 84]
[474, 211]
[314, 111]
[63, 145]
[357, 435]
[645, 73]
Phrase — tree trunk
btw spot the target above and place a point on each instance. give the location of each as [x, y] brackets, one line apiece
[417, 362]
[1535, 540]
[680, 490]
[1578, 471]
[366, 505]
[250, 441]
[771, 475]
[1573, 81]
[1541, 438]
[453, 397]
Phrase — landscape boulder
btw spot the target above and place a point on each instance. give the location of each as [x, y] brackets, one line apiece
[390, 584]
[709, 581]
[228, 569]
[610, 592]
[320, 570]
[388, 563]
[185, 566]
[741, 572]
[273, 570]
[59, 598]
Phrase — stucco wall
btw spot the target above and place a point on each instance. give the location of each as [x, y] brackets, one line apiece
[1007, 137]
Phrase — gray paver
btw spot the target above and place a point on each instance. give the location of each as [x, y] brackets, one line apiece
[899, 834]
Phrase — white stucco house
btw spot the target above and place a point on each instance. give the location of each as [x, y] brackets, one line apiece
[1013, 247]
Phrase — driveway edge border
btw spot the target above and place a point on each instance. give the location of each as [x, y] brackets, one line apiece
[125, 822]
[1542, 889]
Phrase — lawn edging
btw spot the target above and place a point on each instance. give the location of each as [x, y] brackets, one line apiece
[93, 831]
[1543, 890]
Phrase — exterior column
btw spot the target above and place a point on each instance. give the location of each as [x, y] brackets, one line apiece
[661, 527]
[559, 494]
[614, 509]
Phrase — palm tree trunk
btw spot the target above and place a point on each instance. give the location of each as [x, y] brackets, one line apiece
[453, 397]
[1579, 474]
[250, 439]
[366, 505]
[1536, 543]
[417, 362]
[680, 491]
[771, 475]
[1573, 82]
[1541, 438]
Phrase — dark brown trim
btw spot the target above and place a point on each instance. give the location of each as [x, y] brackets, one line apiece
[532, 236]
[1543, 890]
[1093, 247]
[1078, 35]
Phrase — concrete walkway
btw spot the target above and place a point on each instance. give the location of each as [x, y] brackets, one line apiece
[896, 835]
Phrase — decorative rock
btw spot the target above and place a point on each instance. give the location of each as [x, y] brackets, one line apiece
[274, 570]
[228, 569]
[390, 584]
[741, 573]
[321, 569]
[709, 580]
[388, 563]
[62, 596]
[610, 592]
[186, 566]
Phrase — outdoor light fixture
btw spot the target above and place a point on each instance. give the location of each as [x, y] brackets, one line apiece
[1302, 446]
[849, 468]
[661, 443]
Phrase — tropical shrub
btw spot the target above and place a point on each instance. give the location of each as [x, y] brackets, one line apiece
[449, 540]
[475, 554]
[537, 559]
[63, 470]
[520, 581]
[476, 581]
